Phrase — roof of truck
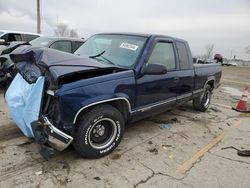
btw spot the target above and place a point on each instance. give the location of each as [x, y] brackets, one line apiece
[21, 32]
[141, 35]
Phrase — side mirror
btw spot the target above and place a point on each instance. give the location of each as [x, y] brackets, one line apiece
[155, 69]
[2, 42]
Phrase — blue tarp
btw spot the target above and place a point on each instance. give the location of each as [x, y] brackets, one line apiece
[24, 102]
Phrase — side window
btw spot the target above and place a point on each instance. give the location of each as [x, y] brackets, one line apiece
[28, 37]
[14, 37]
[163, 53]
[183, 56]
[64, 46]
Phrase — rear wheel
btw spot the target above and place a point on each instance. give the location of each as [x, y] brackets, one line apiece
[98, 131]
[202, 102]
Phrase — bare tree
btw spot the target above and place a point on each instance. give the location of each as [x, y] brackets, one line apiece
[209, 50]
[247, 49]
[73, 33]
[63, 30]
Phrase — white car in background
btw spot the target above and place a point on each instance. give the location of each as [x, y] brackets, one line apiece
[7, 36]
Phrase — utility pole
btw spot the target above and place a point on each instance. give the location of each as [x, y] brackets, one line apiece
[38, 16]
[231, 54]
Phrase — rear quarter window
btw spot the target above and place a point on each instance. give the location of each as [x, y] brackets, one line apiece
[64, 46]
[183, 56]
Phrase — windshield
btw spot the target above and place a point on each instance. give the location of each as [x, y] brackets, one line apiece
[1, 33]
[120, 50]
[41, 42]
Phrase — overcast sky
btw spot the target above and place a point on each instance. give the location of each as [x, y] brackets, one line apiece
[224, 23]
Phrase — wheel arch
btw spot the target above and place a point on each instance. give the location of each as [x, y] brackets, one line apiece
[211, 82]
[121, 103]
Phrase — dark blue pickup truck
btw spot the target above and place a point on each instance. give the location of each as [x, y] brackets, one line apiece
[115, 78]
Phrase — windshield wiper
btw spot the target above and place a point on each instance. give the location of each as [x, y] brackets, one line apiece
[97, 55]
[100, 55]
[110, 62]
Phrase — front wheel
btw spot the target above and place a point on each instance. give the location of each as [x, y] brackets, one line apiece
[98, 131]
[202, 102]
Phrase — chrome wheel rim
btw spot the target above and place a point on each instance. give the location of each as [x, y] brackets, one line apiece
[102, 133]
[206, 99]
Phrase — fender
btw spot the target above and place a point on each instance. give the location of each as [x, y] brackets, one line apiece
[103, 101]
[210, 78]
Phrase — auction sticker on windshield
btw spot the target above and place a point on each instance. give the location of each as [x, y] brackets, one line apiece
[129, 46]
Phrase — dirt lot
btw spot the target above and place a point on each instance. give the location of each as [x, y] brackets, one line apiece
[186, 154]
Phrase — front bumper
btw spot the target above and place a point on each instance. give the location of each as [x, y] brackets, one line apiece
[49, 137]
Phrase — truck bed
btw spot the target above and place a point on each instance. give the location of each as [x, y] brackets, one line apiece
[205, 72]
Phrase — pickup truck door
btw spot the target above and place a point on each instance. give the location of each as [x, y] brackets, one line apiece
[185, 75]
[158, 91]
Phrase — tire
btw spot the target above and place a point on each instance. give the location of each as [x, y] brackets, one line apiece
[202, 102]
[99, 131]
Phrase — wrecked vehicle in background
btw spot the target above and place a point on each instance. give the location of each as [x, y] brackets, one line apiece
[64, 44]
[7, 69]
[10, 36]
[59, 98]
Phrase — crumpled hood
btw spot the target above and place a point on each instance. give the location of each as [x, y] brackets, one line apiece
[33, 62]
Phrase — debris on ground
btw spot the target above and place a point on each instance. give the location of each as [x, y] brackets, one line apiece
[171, 156]
[154, 151]
[182, 134]
[150, 142]
[158, 121]
[38, 173]
[243, 153]
[166, 121]
[68, 180]
[165, 126]
[115, 156]
[166, 146]
[97, 178]
[175, 120]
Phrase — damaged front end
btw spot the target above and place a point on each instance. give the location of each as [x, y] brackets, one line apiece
[30, 100]
[27, 103]
[31, 97]
[49, 137]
